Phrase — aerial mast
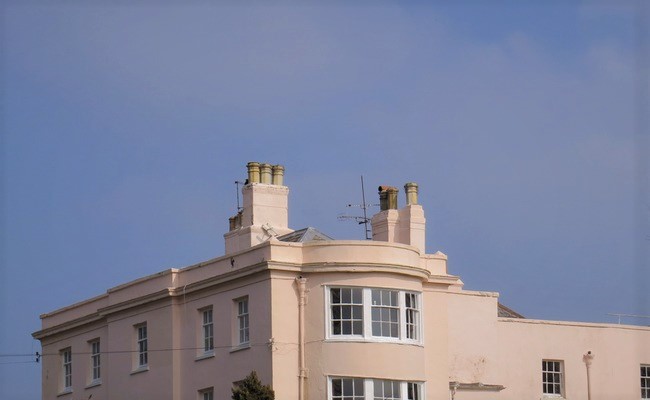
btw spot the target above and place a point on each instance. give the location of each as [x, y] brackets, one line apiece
[364, 206]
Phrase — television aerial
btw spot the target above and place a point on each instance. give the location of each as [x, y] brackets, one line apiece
[361, 220]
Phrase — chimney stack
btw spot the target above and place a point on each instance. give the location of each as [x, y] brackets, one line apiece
[265, 211]
[406, 225]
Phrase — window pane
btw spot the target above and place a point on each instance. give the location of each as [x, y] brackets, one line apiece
[376, 297]
[394, 331]
[378, 391]
[347, 327]
[336, 387]
[347, 386]
[336, 296]
[346, 296]
[358, 387]
[356, 296]
[376, 329]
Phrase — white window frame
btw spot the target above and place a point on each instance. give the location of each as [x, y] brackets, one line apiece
[142, 345]
[369, 388]
[553, 372]
[645, 381]
[354, 321]
[206, 394]
[418, 393]
[385, 306]
[243, 322]
[207, 330]
[412, 316]
[367, 334]
[95, 361]
[66, 370]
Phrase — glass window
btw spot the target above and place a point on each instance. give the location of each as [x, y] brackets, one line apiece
[552, 377]
[385, 313]
[208, 331]
[386, 390]
[412, 316]
[66, 358]
[95, 360]
[347, 311]
[206, 394]
[143, 356]
[374, 314]
[242, 320]
[645, 381]
[414, 391]
[347, 389]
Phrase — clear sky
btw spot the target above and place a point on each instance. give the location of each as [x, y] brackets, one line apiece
[125, 126]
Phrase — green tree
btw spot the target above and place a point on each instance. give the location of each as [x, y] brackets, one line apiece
[252, 389]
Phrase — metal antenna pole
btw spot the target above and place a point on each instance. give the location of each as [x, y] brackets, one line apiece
[237, 190]
[364, 206]
[361, 220]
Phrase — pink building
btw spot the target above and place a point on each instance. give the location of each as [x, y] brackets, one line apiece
[327, 319]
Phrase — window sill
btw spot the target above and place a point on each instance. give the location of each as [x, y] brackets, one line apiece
[93, 384]
[64, 392]
[142, 368]
[208, 354]
[361, 339]
[240, 347]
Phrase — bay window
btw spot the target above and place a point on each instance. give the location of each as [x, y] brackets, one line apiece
[373, 314]
[347, 388]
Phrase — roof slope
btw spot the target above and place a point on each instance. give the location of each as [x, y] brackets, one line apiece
[506, 312]
[304, 235]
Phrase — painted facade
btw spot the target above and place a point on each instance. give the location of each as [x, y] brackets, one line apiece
[327, 319]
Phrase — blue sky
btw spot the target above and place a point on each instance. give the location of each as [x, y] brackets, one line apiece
[125, 126]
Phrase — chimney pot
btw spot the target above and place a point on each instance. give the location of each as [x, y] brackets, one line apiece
[265, 173]
[253, 172]
[392, 198]
[278, 175]
[383, 200]
[387, 198]
[411, 190]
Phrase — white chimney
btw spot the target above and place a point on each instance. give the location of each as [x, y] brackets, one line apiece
[406, 225]
[265, 211]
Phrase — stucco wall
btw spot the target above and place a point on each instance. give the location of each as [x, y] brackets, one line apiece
[618, 351]
[228, 364]
[78, 342]
[490, 350]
